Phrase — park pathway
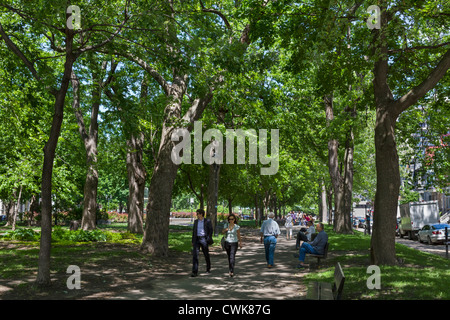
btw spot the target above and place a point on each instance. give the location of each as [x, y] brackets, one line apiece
[252, 280]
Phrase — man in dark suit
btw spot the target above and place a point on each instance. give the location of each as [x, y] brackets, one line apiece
[201, 237]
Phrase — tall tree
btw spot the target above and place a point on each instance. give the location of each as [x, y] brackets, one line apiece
[37, 22]
[89, 136]
[390, 100]
[194, 44]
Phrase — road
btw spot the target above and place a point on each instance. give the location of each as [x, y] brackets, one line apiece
[438, 249]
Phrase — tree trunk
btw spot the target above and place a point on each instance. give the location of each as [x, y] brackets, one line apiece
[34, 208]
[9, 213]
[16, 209]
[330, 204]
[323, 209]
[386, 196]
[88, 221]
[43, 276]
[342, 223]
[266, 202]
[90, 140]
[275, 205]
[348, 181]
[386, 159]
[338, 187]
[156, 233]
[136, 183]
[213, 193]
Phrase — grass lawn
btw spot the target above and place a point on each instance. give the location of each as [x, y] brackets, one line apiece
[420, 276]
[78, 247]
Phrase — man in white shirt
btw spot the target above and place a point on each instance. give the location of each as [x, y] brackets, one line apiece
[269, 233]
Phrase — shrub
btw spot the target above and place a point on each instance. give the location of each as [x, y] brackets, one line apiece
[22, 235]
[86, 236]
[74, 214]
[60, 234]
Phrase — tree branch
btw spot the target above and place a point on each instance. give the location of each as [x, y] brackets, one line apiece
[421, 90]
[419, 48]
[151, 71]
[12, 46]
[217, 12]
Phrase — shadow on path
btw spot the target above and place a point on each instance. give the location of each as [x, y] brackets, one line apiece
[252, 280]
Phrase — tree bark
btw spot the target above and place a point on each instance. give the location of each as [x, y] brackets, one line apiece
[348, 181]
[136, 183]
[90, 140]
[323, 209]
[43, 276]
[387, 164]
[213, 193]
[16, 208]
[342, 223]
[156, 233]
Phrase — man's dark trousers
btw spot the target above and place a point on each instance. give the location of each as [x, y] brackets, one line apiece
[200, 242]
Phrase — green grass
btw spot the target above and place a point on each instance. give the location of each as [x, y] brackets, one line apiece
[421, 276]
[69, 246]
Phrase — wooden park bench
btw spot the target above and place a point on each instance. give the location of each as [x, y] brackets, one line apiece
[326, 290]
[320, 256]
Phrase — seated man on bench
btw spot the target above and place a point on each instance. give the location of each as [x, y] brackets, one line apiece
[316, 246]
[306, 236]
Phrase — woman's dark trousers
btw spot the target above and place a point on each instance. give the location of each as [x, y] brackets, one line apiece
[231, 248]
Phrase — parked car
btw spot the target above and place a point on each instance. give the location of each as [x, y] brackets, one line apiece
[433, 233]
[362, 223]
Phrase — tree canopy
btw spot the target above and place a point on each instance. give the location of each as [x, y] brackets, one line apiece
[91, 96]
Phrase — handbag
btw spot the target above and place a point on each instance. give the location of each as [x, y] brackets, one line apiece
[222, 242]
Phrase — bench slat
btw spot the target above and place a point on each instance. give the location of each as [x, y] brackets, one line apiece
[326, 291]
[313, 292]
[339, 280]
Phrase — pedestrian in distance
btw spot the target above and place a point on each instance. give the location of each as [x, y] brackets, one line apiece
[317, 246]
[269, 233]
[232, 236]
[201, 238]
[289, 225]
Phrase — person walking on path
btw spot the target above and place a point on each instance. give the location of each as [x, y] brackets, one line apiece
[269, 232]
[232, 239]
[201, 238]
[317, 246]
[289, 225]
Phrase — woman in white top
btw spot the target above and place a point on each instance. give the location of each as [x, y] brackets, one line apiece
[289, 225]
[232, 238]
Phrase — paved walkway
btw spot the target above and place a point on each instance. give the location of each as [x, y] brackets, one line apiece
[252, 280]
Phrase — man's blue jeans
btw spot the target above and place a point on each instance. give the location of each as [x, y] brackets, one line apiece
[270, 243]
[304, 249]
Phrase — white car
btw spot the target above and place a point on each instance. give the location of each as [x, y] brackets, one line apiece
[433, 233]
